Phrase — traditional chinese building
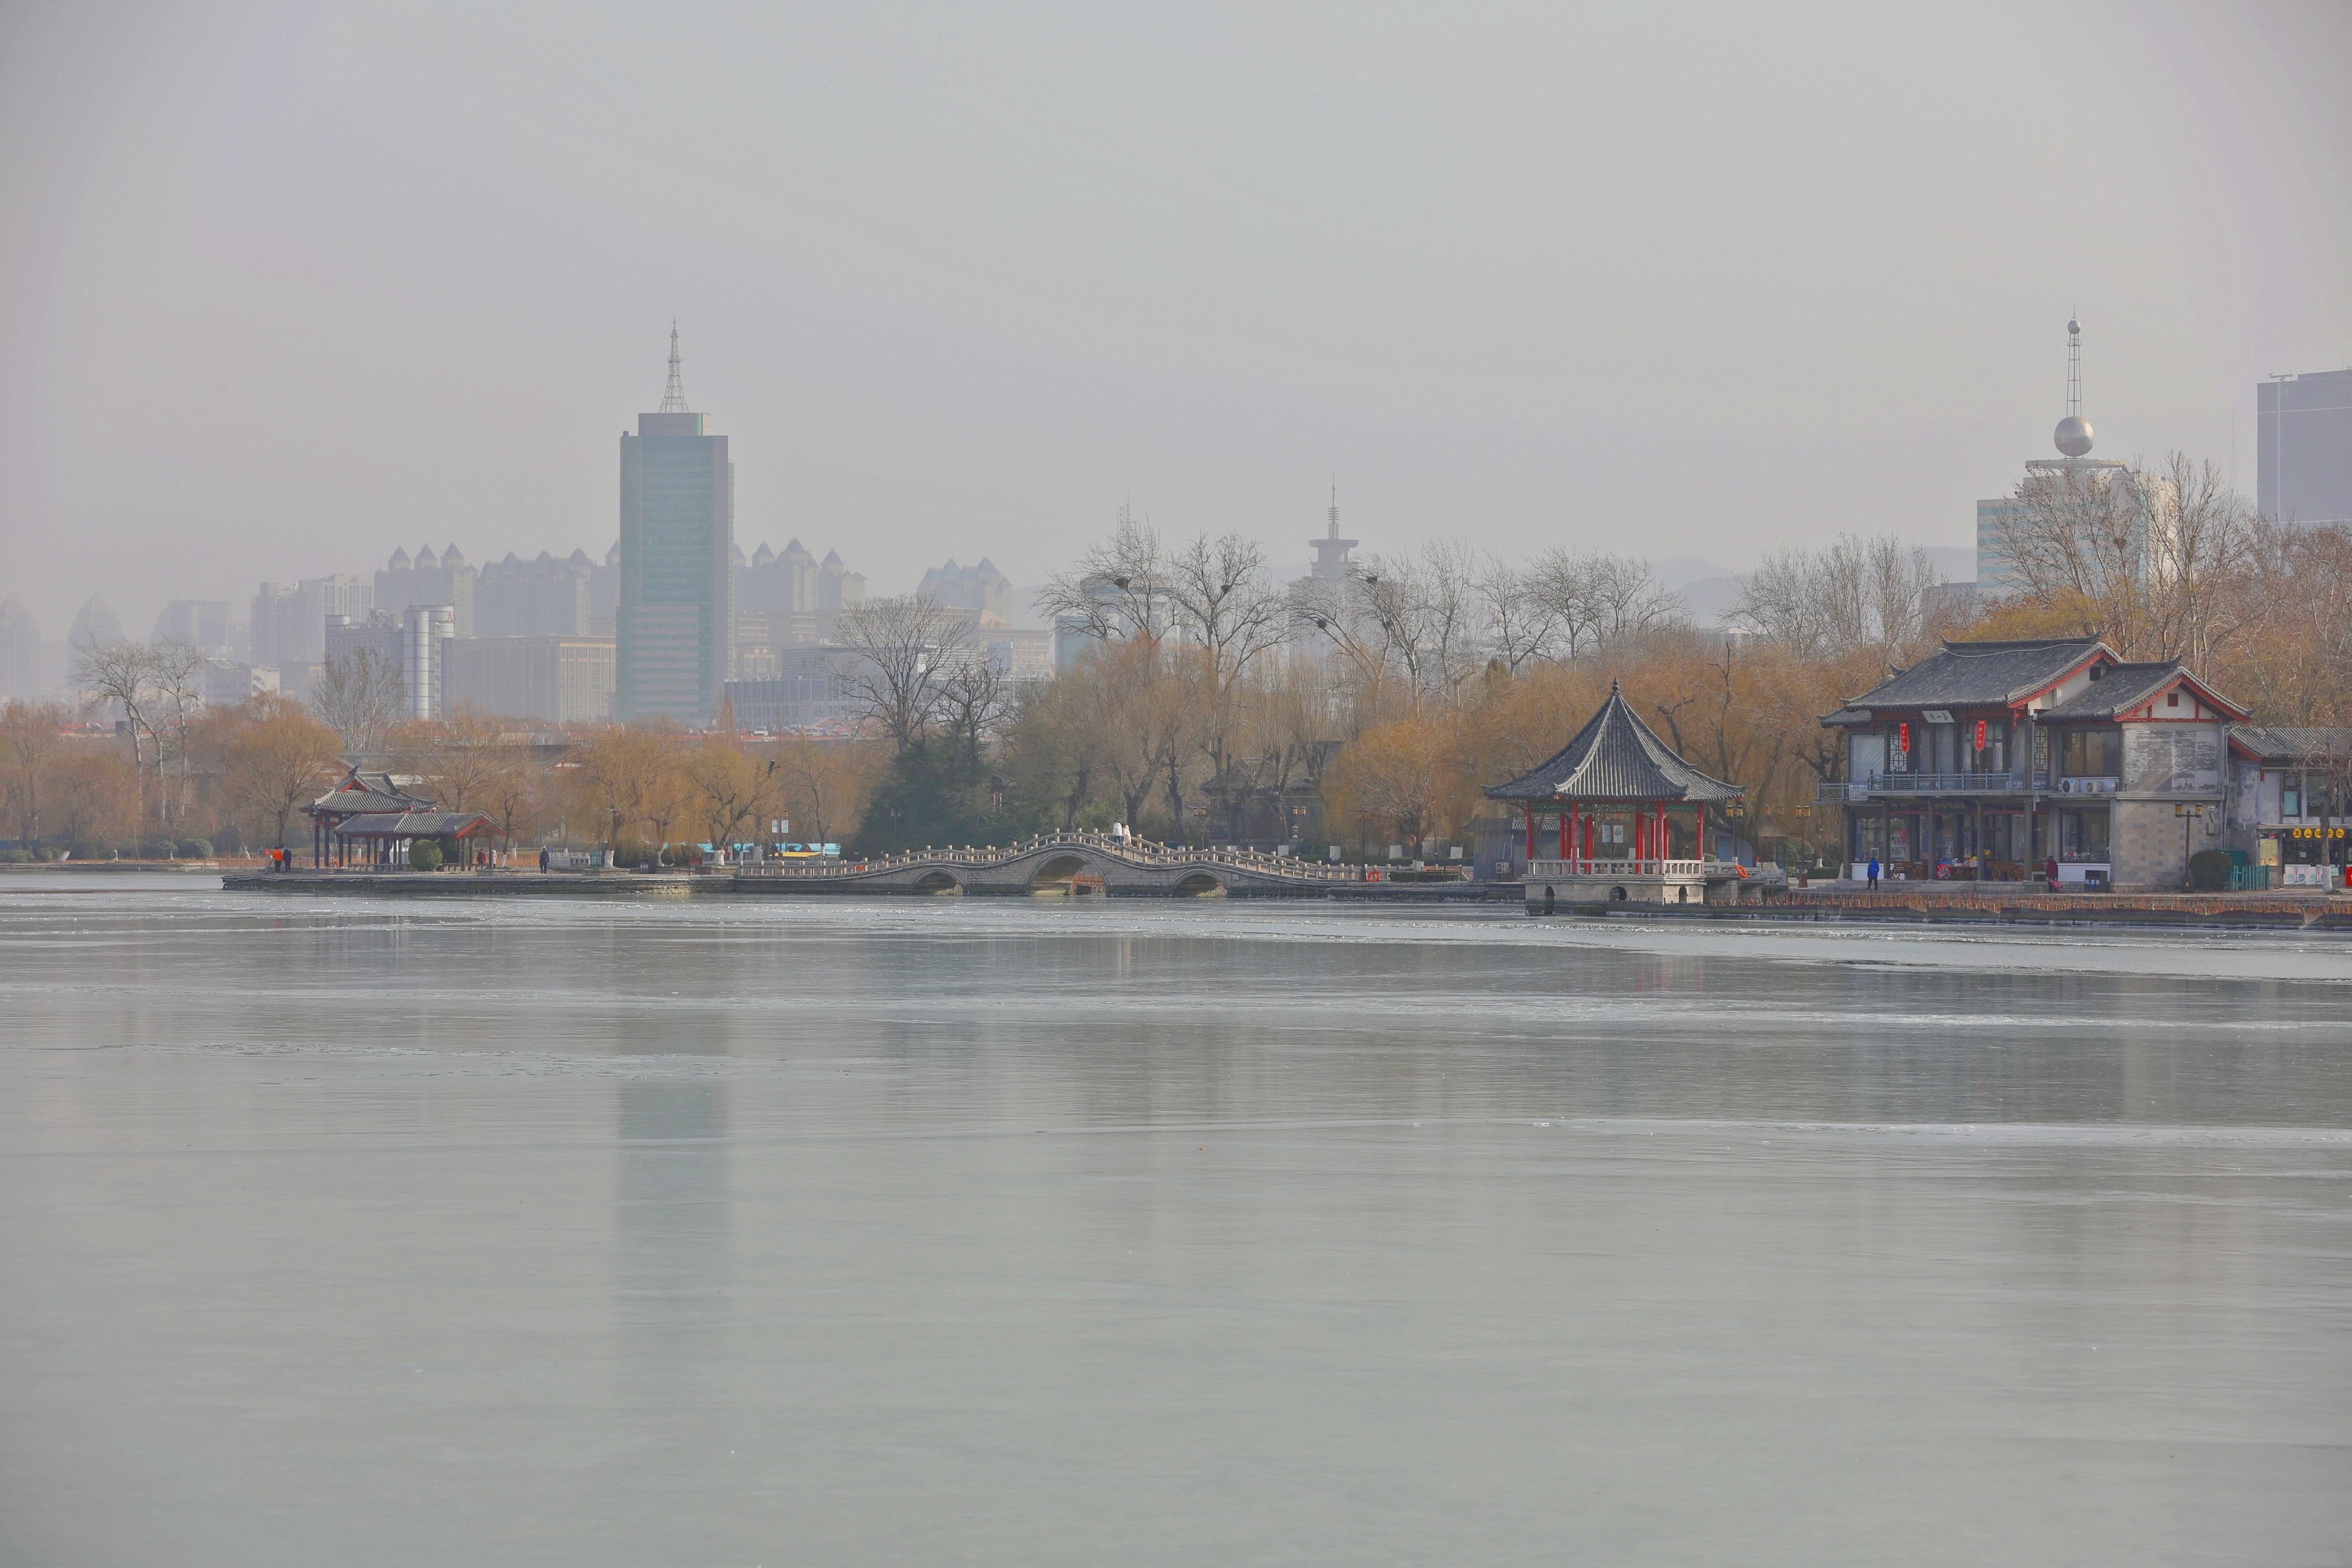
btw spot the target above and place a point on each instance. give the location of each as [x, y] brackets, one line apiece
[1989, 760]
[1624, 817]
[359, 795]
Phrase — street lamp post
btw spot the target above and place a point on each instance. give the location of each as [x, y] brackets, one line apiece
[2187, 813]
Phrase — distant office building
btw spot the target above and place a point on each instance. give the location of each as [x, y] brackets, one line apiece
[981, 589]
[1021, 652]
[554, 679]
[805, 693]
[203, 622]
[676, 619]
[415, 641]
[540, 598]
[428, 579]
[21, 662]
[289, 623]
[2303, 447]
[228, 682]
[96, 625]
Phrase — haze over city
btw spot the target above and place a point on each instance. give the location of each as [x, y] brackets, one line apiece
[289, 286]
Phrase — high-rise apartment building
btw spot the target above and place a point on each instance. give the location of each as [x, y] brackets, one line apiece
[20, 650]
[676, 620]
[981, 589]
[788, 601]
[415, 641]
[542, 598]
[428, 579]
[555, 679]
[289, 624]
[203, 622]
[2303, 447]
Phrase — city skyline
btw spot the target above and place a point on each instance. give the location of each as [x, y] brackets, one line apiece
[953, 303]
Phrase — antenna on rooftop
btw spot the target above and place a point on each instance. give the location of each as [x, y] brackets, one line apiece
[2074, 365]
[674, 396]
[2072, 435]
[1335, 505]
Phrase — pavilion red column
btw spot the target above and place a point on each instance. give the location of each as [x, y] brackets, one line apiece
[1529, 807]
[1699, 849]
[1563, 831]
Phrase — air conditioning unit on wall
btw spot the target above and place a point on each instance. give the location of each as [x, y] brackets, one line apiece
[2086, 786]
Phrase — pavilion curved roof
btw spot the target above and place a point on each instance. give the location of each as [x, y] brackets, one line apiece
[1615, 757]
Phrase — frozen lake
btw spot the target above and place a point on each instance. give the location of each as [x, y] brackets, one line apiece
[1042, 1232]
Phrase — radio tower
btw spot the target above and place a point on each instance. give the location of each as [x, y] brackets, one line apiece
[674, 398]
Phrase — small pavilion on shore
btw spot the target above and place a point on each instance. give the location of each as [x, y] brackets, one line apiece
[1629, 816]
[360, 793]
[379, 838]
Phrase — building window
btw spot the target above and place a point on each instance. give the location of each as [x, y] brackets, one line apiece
[2095, 754]
[2290, 794]
[2082, 836]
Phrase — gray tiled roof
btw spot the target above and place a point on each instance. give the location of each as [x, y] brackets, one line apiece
[376, 792]
[2123, 686]
[2271, 742]
[1615, 757]
[1967, 674]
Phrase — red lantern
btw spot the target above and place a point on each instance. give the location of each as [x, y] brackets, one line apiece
[1902, 736]
[1980, 734]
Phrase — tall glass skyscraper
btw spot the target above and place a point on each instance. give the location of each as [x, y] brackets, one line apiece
[675, 622]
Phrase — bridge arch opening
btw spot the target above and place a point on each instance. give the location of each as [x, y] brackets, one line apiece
[1200, 885]
[938, 882]
[1067, 874]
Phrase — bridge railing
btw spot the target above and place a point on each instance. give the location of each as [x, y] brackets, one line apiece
[1133, 851]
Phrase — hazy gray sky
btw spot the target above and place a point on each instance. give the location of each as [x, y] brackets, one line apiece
[284, 286]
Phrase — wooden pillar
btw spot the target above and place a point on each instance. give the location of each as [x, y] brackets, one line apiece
[1566, 812]
[1530, 808]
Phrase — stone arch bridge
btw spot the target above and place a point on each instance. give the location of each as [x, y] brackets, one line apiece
[1077, 864]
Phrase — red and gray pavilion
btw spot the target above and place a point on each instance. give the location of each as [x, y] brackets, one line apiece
[1625, 816]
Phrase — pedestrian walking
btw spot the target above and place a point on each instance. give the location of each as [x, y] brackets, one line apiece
[1874, 873]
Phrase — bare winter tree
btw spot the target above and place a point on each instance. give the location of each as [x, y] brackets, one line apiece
[1521, 624]
[122, 673]
[1851, 594]
[974, 701]
[903, 654]
[1427, 610]
[2150, 560]
[177, 671]
[361, 696]
[1591, 599]
[1118, 590]
[1219, 594]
